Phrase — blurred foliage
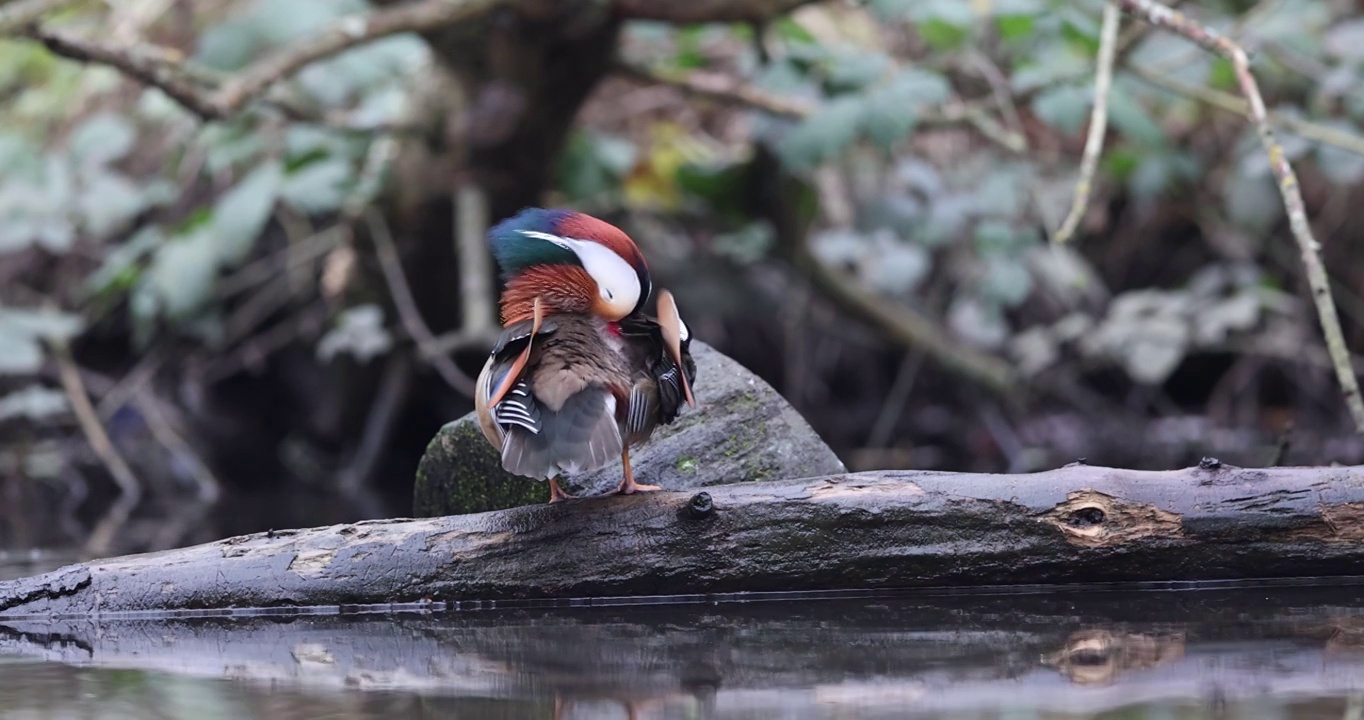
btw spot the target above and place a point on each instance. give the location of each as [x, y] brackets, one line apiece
[122, 216]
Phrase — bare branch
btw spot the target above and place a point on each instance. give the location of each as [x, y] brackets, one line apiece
[408, 313]
[1098, 124]
[200, 92]
[1231, 103]
[19, 15]
[130, 489]
[907, 326]
[342, 35]
[1308, 247]
[726, 89]
[148, 64]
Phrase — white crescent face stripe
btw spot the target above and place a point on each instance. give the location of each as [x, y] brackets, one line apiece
[617, 281]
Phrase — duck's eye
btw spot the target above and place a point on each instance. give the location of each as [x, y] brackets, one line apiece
[606, 292]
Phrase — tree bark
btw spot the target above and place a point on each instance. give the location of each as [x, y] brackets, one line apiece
[1076, 524]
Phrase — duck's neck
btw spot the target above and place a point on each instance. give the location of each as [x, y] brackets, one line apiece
[562, 289]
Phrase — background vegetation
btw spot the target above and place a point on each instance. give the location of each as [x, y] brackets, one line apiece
[242, 280]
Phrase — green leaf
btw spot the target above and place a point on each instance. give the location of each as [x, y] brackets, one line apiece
[181, 275]
[241, 213]
[21, 333]
[1120, 162]
[994, 237]
[887, 119]
[1007, 281]
[942, 35]
[1080, 30]
[120, 261]
[823, 134]
[1063, 108]
[1128, 116]
[1015, 27]
[319, 187]
[853, 70]
[1221, 75]
[103, 138]
[108, 201]
[230, 144]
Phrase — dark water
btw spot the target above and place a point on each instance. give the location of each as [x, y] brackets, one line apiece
[1242, 653]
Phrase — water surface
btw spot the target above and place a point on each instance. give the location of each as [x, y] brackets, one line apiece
[1241, 653]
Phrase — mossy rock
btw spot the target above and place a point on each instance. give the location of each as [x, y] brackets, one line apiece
[741, 431]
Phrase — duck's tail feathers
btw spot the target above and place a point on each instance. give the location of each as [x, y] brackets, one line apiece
[581, 437]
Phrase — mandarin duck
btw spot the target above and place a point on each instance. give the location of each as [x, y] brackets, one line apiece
[579, 373]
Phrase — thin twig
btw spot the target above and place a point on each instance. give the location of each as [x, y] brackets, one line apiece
[1231, 103]
[130, 489]
[210, 489]
[909, 327]
[1098, 124]
[726, 89]
[406, 305]
[90, 425]
[1308, 246]
[383, 413]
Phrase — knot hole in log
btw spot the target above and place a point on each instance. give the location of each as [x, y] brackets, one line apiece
[1093, 519]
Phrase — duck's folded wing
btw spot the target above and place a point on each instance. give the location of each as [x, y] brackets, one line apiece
[516, 406]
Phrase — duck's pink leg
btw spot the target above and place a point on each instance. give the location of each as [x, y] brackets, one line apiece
[627, 484]
[556, 493]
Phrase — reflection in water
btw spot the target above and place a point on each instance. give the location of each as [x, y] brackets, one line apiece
[1098, 656]
[1244, 653]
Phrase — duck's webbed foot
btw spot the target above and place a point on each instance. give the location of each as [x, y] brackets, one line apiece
[556, 493]
[628, 486]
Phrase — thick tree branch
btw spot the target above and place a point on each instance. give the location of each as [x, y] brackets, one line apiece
[882, 530]
[1098, 124]
[1308, 247]
[148, 64]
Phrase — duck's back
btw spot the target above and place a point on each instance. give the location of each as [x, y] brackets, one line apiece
[560, 415]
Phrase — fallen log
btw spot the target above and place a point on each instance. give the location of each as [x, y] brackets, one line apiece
[1077, 524]
[1069, 653]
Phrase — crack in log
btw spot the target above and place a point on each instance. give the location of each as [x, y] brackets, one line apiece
[66, 582]
[1095, 520]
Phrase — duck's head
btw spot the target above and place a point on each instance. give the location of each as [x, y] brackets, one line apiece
[572, 261]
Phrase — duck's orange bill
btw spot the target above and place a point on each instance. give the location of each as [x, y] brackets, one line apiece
[519, 365]
[670, 323]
